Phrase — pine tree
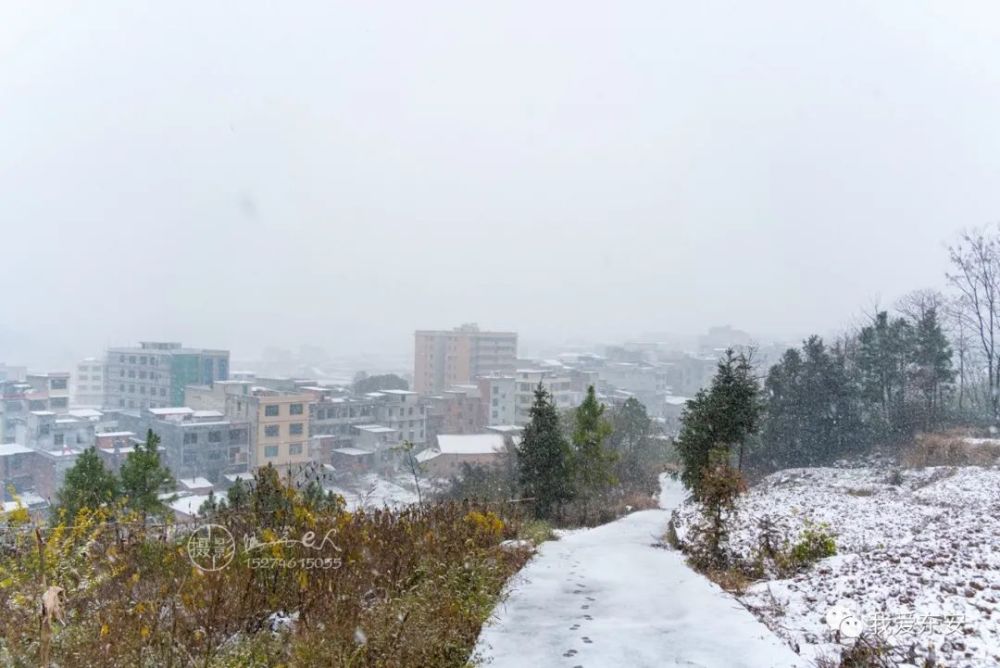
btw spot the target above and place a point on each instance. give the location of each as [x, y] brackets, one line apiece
[931, 367]
[593, 461]
[88, 484]
[144, 478]
[639, 452]
[544, 458]
[722, 416]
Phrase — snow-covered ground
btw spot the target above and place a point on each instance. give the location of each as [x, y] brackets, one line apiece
[373, 491]
[910, 544]
[610, 596]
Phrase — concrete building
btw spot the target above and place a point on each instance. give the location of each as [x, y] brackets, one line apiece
[446, 458]
[559, 385]
[195, 443]
[279, 424]
[54, 387]
[445, 358]
[155, 374]
[87, 385]
[498, 398]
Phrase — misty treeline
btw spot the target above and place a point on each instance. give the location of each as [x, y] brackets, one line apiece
[931, 362]
[582, 466]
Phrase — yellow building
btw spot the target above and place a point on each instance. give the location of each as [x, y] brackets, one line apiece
[279, 425]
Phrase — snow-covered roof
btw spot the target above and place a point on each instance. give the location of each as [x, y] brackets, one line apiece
[28, 500]
[208, 414]
[426, 455]
[113, 434]
[7, 449]
[189, 505]
[351, 452]
[676, 401]
[505, 428]
[86, 413]
[233, 477]
[174, 410]
[374, 428]
[470, 444]
[195, 483]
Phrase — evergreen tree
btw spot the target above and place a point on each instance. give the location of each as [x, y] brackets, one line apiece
[544, 458]
[812, 414]
[593, 461]
[144, 478]
[931, 368]
[640, 453]
[722, 416]
[88, 484]
[884, 352]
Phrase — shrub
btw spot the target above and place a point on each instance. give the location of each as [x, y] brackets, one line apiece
[413, 587]
[949, 449]
[815, 543]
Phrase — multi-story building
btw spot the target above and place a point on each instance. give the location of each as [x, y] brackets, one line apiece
[457, 357]
[53, 387]
[195, 443]
[559, 385]
[498, 396]
[87, 386]
[155, 374]
[38, 392]
[403, 411]
[279, 425]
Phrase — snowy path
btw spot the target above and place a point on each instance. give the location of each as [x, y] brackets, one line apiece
[606, 597]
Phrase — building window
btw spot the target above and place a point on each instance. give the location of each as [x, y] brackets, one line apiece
[59, 439]
[295, 409]
[236, 435]
[163, 391]
[190, 438]
[295, 429]
[271, 411]
[271, 451]
[272, 431]
[295, 449]
[215, 437]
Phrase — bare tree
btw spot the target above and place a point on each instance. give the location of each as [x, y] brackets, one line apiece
[976, 263]
[915, 305]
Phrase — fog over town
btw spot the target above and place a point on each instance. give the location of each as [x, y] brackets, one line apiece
[451, 334]
[349, 172]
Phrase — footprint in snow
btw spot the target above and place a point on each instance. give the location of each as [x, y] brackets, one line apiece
[588, 618]
[575, 627]
[577, 591]
[587, 640]
[570, 652]
[585, 607]
[591, 598]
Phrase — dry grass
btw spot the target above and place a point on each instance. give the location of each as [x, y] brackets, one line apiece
[732, 580]
[949, 449]
[414, 588]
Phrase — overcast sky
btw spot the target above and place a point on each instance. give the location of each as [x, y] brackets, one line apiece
[256, 173]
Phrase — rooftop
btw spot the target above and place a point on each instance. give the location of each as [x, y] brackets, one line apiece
[470, 444]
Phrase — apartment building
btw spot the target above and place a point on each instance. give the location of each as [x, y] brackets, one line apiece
[443, 358]
[154, 374]
[87, 385]
[195, 443]
[53, 387]
[279, 424]
[557, 383]
[498, 398]
[37, 392]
